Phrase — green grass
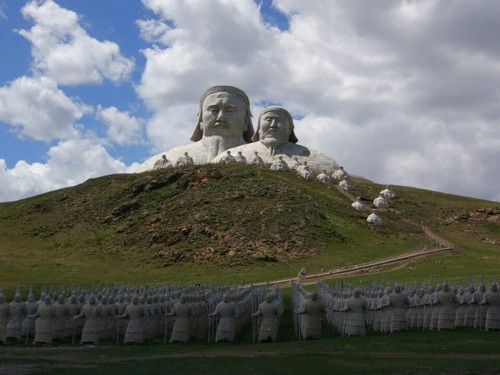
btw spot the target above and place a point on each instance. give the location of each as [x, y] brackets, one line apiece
[72, 236]
[463, 351]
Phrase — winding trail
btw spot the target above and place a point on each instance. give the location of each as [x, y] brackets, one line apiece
[396, 262]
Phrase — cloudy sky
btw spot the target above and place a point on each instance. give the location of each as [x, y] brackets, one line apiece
[404, 92]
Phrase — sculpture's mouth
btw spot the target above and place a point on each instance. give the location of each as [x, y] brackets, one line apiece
[271, 132]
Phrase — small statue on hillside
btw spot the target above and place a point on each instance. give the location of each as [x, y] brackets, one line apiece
[323, 177]
[240, 159]
[388, 193]
[256, 160]
[162, 163]
[358, 205]
[339, 174]
[381, 201]
[184, 160]
[227, 158]
[279, 165]
[346, 184]
[374, 218]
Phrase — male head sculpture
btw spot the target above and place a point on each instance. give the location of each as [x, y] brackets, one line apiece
[224, 122]
[275, 128]
[224, 111]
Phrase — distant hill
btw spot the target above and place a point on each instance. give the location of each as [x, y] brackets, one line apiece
[219, 223]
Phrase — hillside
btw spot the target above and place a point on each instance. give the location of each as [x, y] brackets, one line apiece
[228, 224]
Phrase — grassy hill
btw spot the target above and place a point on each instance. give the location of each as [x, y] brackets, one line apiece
[229, 224]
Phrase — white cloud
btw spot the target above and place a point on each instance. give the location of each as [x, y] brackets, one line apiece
[123, 128]
[69, 163]
[64, 51]
[2, 11]
[39, 110]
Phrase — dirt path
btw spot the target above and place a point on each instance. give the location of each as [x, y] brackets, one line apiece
[393, 263]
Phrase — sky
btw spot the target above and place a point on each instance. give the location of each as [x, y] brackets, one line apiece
[402, 92]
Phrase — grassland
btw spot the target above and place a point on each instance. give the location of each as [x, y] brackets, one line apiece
[232, 224]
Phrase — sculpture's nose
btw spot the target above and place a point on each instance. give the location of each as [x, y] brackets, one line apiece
[220, 115]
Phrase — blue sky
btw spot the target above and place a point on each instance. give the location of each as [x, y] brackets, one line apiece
[404, 92]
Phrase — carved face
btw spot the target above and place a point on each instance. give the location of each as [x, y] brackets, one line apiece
[223, 114]
[274, 128]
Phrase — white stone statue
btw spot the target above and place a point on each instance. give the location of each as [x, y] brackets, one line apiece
[300, 167]
[346, 184]
[295, 163]
[357, 308]
[256, 159]
[240, 159]
[227, 158]
[17, 314]
[279, 165]
[305, 172]
[184, 160]
[339, 174]
[480, 313]
[162, 163]
[183, 313]
[470, 311]
[275, 137]
[270, 311]
[374, 218]
[323, 177]
[492, 300]
[224, 122]
[388, 193]
[381, 201]
[28, 325]
[74, 308]
[4, 318]
[91, 312]
[227, 312]
[447, 301]
[312, 312]
[359, 205]
[59, 324]
[45, 315]
[136, 315]
[398, 303]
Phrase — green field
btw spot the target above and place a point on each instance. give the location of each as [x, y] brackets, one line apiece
[235, 224]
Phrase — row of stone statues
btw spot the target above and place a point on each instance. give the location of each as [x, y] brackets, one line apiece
[135, 315]
[445, 306]
[225, 124]
[138, 315]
